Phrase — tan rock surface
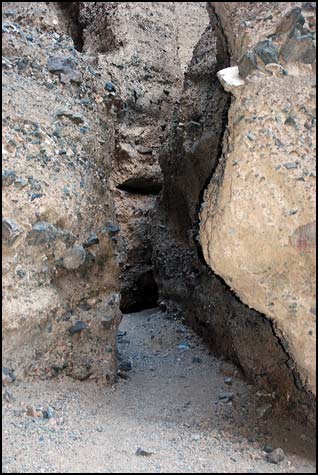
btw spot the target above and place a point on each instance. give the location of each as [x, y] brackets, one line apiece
[142, 49]
[60, 274]
[258, 217]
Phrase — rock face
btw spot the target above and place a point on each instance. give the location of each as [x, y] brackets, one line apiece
[258, 217]
[186, 284]
[143, 67]
[59, 282]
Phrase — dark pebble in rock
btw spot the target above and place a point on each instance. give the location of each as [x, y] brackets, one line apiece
[122, 374]
[144, 150]
[109, 86]
[125, 366]
[290, 121]
[300, 48]
[10, 231]
[196, 359]
[268, 448]
[61, 64]
[107, 322]
[247, 63]
[73, 116]
[41, 233]
[48, 414]
[35, 196]
[91, 241]
[7, 396]
[86, 101]
[290, 20]
[290, 165]
[226, 397]
[8, 177]
[267, 51]
[309, 5]
[143, 453]
[20, 183]
[276, 456]
[8, 375]
[77, 328]
[110, 228]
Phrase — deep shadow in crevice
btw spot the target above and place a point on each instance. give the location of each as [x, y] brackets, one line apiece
[140, 188]
[146, 294]
[70, 14]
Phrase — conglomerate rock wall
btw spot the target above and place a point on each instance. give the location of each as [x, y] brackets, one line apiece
[60, 272]
[197, 194]
[153, 153]
[258, 220]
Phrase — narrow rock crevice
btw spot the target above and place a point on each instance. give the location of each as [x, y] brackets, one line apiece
[70, 12]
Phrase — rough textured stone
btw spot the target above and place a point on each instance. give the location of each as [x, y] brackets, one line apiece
[300, 48]
[141, 90]
[267, 51]
[46, 284]
[249, 237]
[247, 64]
[10, 231]
[74, 257]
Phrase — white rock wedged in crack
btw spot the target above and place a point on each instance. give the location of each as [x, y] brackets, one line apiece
[230, 78]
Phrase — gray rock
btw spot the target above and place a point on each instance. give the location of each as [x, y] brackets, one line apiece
[35, 196]
[144, 150]
[309, 5]
[247, 64]
[143, 453]
[226, 397]
[267, 51]
[228, 381]
[299, 48]
[77, 328]
[125, 366]
[91, 241]
[8, 177]
[74, 257]
[109, 86]
[196, 359]
[48, 414]
[66, 68]
[268, 448]
[110, 228]
[292, 19]
[276, 456]
[107, 322]
[73, 116]
[20, 183]
[10, 231]
[8, 375]
[42, 233]
[290, 121]
[61, 64]
[290, 165]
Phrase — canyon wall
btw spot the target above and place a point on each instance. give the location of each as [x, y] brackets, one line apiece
[194, 151]
[258, 228]
[142, 50]
[60, 272]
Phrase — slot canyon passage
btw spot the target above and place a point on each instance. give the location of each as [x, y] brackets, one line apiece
[158, 237]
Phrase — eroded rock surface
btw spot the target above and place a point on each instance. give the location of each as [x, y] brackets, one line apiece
[258, 217]
[142, 52]
[186, 285]
[59, 281]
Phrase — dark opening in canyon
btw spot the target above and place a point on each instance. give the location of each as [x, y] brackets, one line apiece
[145, 294]
[70, 12]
